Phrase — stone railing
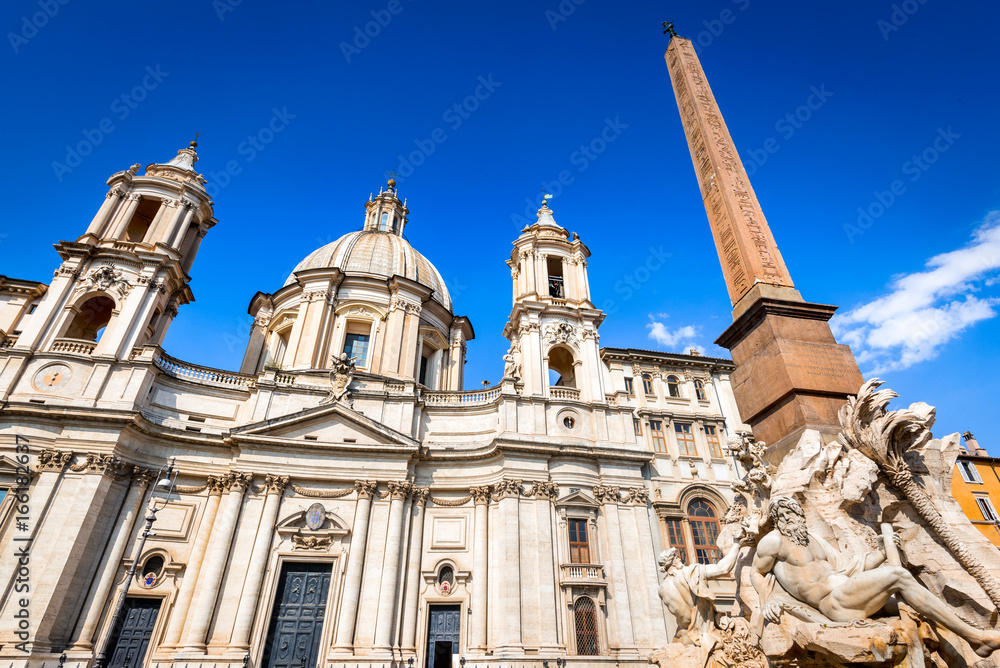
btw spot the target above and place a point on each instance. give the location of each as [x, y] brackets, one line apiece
[612, 399]
[8, 342]
[591, 573]
[284, 379]
[394, 388]
[202, 374]
[564, 393]
[478, 397]
[74, 346]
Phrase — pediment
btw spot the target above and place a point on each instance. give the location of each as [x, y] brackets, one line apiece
[333, 424]
[577, 499]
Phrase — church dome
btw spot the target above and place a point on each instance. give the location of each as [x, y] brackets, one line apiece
[378, 253]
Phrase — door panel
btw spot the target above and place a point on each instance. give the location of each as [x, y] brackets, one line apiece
[443, 629]
[297, 618]
[134, 632]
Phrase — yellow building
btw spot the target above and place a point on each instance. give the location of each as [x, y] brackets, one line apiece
[975, 484]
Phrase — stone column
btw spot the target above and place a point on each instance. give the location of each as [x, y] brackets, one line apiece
[355, 562]
[390, 567]
[480, 565]
[104, 213]
[609, 498]
[240, 639]
[125, 215]
[410, 602]
[509, 621]
[191, 253]
[83, 641]
[222, 537]
[154, 225]
[190, 582]
[258, 336]
[179, 225]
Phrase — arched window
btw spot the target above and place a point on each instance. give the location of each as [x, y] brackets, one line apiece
[704, 531]
[647, 384]
[585, 621]
[699, 390]
[673, 386]
[561, 363]
[384, 223]
[91, 319]
[446, 579]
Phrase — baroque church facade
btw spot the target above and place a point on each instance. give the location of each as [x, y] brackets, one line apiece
[340, 500]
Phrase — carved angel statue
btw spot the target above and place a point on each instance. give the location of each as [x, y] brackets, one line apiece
[799, 573]
[340, 378]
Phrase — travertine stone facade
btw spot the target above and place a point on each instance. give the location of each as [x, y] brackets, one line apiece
[525, 518]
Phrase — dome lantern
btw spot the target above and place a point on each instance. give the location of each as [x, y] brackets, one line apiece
[385, 213]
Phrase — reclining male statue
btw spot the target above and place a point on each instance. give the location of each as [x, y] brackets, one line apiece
[794, 567]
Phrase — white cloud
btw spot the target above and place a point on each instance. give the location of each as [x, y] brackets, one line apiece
[681, 339]
[924, 310]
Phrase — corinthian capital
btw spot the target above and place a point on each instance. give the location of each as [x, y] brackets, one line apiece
[365, 488]
[399, 490]
[54, 460]
[607, 494]
[480, 495]
[275, 484]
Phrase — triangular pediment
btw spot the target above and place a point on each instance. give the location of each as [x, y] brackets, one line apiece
[578, 499]
[333, 424]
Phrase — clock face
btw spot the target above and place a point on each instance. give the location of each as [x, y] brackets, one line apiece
[52, 377]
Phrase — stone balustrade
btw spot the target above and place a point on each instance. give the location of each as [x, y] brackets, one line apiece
[564, 393]
[583, 573]
[8, 342]
[478, 397]
[74, 346]
[201, 374]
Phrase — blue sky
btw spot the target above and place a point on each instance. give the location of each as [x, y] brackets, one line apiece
[902, 126]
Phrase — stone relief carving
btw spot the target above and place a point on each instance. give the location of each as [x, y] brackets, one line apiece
[54, 460]
[311, 542]
[105, 279]
[365, 488]
[340, 379]
[562, 332]
[607, 494]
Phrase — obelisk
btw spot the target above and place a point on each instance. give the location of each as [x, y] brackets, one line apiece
[791, 374]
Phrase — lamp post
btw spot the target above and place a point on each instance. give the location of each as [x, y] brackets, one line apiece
[164, 483]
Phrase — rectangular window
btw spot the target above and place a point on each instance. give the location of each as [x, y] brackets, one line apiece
[969, 472]
[675, 536]
[659, 440]
[637, 425]
[714, 447]
[579, 546]
[423, 370]
[356, 346]
[647, 384]
[986, 508]
[628, 387]
[705, 534]
[685, 440]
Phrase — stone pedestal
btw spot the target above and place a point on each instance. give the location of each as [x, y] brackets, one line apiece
[791, 374]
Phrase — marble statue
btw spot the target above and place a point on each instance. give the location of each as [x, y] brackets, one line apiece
[685, 593]
[798, 572]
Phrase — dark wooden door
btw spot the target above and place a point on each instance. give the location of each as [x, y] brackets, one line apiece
[135, 630]
[297, 617]
[443, 635]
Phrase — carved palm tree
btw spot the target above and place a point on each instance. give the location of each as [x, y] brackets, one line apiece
[885, 437]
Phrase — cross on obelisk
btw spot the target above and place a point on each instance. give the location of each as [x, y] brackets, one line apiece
[791, 374]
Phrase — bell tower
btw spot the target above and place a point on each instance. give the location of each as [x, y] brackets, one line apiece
[120, 284]
[553, 323]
